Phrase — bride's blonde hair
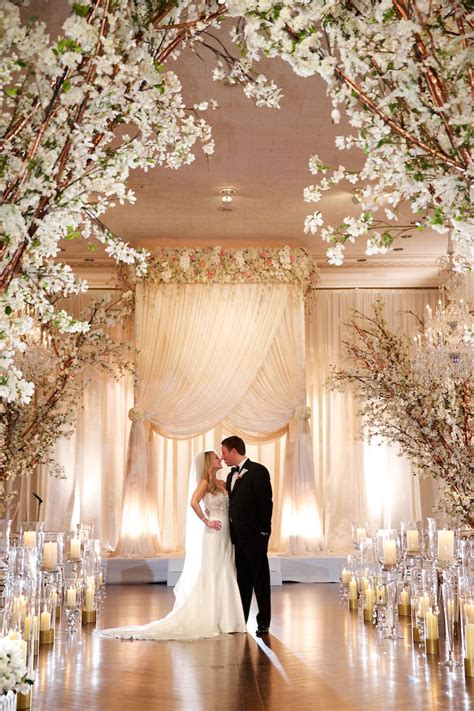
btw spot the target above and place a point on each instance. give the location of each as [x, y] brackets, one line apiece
[208, 470]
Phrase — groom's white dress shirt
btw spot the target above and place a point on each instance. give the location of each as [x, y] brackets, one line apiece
[236, 474]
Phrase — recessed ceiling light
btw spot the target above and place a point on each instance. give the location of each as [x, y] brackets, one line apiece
[406, 236]
[362, 259]
[227, 194]
[88, 259]
[398, 249]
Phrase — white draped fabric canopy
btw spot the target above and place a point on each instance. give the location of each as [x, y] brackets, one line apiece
[219, 353]
[353, 480]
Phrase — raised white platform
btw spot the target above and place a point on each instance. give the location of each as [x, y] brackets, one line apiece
[324, 568]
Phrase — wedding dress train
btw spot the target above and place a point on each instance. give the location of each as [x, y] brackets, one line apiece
[207, 602]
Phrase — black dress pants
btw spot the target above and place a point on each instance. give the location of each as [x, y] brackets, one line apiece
[253, 574]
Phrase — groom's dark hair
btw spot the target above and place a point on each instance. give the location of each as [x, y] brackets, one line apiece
[234, 442]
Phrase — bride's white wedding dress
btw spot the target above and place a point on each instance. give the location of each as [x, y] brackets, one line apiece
[211, 604]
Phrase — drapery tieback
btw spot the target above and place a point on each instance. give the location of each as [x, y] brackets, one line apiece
[303, 413]
[136, 414]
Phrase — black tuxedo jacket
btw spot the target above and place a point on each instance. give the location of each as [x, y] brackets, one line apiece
[250, 504]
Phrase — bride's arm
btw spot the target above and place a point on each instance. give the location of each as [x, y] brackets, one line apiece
[195, 505]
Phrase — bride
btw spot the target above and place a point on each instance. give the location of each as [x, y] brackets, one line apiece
[207, 596]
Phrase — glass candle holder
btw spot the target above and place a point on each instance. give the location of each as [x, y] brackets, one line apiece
[52, 552]
[89, 606]
[31, 534]
[404, 599]
[360, 531]
[411, 536]
[47, 614]
[73, 547]
[85, 530]
[73, 602]
[429, 540]
[445, 547]
[388, 547]
[450, 607]
[467, 632]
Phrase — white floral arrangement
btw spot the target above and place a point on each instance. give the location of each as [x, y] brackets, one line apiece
[13, 673]
[432, 426]
[216, 265]
[401, 73]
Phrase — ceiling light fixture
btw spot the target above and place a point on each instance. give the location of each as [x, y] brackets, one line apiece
[227, 194]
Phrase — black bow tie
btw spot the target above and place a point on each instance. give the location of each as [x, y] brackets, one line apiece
[234, 470]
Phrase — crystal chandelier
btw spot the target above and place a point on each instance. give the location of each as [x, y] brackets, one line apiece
[445, 348]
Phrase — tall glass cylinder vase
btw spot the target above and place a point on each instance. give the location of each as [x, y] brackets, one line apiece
[450, 606]
[5, 527]
[388, 547]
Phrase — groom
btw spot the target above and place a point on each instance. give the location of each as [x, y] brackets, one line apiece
[250, 516]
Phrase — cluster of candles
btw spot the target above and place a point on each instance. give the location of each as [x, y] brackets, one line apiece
[415, 572]
[48, 575]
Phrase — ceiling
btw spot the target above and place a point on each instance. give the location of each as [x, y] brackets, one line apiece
[263, 155]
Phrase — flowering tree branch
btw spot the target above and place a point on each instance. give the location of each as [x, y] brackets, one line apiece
[401, 71]
[433, 426]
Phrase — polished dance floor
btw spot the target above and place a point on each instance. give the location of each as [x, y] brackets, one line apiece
[318, 656]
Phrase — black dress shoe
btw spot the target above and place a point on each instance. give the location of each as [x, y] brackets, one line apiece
[261, 631]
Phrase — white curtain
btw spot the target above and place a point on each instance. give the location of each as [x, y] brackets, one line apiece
[351, 483]
[358, 481]
[218, 353]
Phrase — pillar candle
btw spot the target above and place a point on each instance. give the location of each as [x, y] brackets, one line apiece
[389, 552]
[71, 597]
[345, 576]
[35, 628]
[50, 555]
[45, 621]
[404, 599]
[29, 539]
[413, 541]
[431, 625]
[54, 599]
[365, 584]
[89, 605]
[469, 611]
[423, 603]
[446, 545]
[369, 598]
[352, 590]
[27, 628]
[361, 534]
[75, 548]
[469, 641]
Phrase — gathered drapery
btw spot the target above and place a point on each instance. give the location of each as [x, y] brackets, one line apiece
[359, 481]
[219, 353]
[353, 480]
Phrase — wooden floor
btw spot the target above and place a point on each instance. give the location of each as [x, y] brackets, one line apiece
[318, 656]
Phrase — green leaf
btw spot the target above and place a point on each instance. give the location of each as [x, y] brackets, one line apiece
[12, 91]
[72, 233]
[67, 45]
[387, 239]
[91, 247]
[8, 310]
[159, 67]
[67, 86]
[81, 10]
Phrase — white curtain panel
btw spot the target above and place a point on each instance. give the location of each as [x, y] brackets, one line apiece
[353, 480]
[213, 353]
[358, 481]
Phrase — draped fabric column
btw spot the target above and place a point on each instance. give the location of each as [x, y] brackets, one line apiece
[213, 353]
